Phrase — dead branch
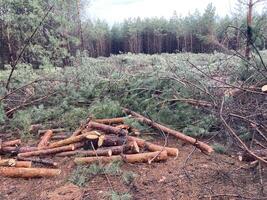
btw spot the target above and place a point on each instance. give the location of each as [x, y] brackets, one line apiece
[238, 139]
[201, 145]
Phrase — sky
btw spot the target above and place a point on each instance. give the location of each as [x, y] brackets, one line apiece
[117, 10]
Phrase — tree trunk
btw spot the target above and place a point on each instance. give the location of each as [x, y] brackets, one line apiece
[28, 172]
[201, 145]
[249, 30]
[80, 24]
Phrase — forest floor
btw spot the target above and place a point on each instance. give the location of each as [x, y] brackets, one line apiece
[193, 175]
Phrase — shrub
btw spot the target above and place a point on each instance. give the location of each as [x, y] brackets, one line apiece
[219, 148]
[113, 195]
[128, 177]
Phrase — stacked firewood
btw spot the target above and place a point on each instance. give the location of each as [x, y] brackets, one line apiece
[99, 140]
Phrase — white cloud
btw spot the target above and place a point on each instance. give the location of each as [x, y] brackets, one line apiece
[118, 10]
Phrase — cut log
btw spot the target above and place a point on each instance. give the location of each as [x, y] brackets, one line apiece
[134, 158]
[113, 140]
[98, 152]
[35, 128]
[106, 128]
[146, 157]
[154, 147]
[201, 145]
[45, 139]
[28, 172]
[129, 148]
[70, 147]
[15, 163]
[11, 143]
[16, 150]
[118, 120]
[47, 162]
[123, 126]
[56, 130]
[70, 140]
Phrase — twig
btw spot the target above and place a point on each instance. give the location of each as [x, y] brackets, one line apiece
[185, 162]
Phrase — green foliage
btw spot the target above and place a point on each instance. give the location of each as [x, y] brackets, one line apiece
[113, 195]
[2, 115]
[218, 148]
[244, 134]
[82, 174]
[106, 109]
[128, 177]
[135, 124]
[22, 121]
[73, 117]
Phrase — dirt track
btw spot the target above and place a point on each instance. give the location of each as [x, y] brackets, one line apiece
[203, 177]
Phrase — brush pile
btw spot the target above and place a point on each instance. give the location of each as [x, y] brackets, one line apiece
[98, 140]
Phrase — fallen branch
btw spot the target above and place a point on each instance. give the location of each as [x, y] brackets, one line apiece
[238, 139]
[28, 172]
[201, 145]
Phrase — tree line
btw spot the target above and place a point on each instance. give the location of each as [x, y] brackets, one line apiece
[65, 32]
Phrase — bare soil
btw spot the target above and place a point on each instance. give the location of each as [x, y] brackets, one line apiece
[191, 176]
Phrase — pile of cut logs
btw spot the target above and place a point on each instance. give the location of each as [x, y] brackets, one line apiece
[99, 140]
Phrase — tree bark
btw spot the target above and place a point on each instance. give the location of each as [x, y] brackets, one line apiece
[201, 145]
[154, 147]
[28, 172]
[134, 158]
[249, 29]
[45, 139]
